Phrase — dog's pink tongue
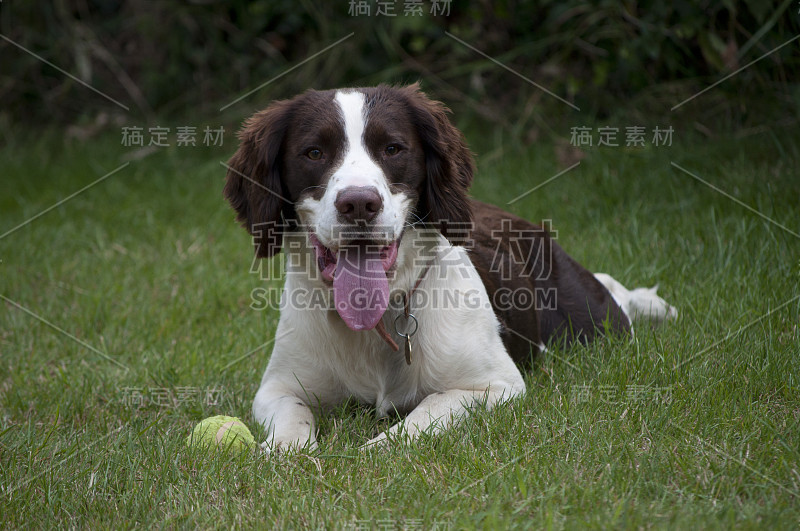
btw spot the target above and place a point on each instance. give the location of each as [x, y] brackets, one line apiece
[360, 286]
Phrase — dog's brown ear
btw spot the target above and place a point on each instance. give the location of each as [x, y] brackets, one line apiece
[449, 166]
[253, 184]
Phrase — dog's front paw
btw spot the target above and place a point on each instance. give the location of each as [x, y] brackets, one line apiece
[287, 447]
[265, 449]
[377, 442]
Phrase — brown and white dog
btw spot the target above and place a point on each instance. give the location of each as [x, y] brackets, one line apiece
[366, 189]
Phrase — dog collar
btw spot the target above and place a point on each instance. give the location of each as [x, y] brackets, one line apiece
[411, 323]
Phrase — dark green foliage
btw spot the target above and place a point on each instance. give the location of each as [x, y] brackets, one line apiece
[165, 57]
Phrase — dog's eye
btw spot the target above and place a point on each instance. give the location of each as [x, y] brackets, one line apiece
[392, 149]
[314, 154]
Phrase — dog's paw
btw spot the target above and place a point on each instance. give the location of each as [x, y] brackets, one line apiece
[265, 449]
[269, 448]
[377, 442]
[645, 303]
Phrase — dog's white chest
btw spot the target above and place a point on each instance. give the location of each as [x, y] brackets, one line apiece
[370, 371]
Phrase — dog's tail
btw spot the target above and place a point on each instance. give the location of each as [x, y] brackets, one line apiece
[639, 304]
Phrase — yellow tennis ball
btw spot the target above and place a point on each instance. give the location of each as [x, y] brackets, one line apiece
[222, 432]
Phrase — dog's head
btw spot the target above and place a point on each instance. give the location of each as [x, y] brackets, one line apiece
[353, 168]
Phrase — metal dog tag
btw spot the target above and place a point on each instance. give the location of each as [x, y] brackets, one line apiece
[411, 321]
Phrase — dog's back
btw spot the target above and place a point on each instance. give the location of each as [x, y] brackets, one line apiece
[539, 293]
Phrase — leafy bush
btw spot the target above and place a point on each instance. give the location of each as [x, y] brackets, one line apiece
[169, 56]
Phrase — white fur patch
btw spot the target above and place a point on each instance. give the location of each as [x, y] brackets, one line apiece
[639, 303]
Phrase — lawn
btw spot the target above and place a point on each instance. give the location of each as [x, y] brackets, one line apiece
[126, 318]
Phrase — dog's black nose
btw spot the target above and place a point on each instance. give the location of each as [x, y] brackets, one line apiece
[359, 203]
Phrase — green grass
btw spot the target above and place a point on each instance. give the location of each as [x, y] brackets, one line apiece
[693, 425]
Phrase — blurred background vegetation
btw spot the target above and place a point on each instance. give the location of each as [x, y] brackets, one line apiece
[170, 58]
